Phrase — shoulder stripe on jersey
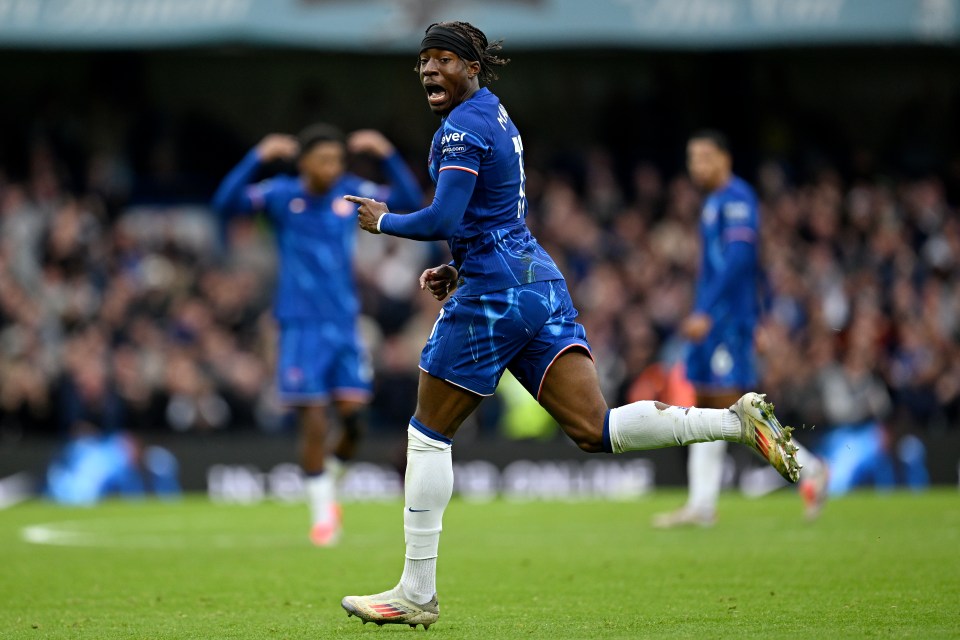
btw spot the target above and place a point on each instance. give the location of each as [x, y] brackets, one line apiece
[453, 166]
[742, 234]
[255, 193]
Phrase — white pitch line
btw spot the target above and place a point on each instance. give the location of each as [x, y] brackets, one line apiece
[70, 533]
[50, 535]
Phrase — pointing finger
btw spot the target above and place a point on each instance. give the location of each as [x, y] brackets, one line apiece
[356, 199]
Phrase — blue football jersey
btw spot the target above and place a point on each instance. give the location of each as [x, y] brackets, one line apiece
[315, 235]
[730, 214]
[492, 247]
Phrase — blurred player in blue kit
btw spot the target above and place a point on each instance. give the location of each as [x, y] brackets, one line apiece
[510, 310]
[721, 362]
[321, 359]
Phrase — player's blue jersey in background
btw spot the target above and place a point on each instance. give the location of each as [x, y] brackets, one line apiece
[729, 215]
[492, 247]
[315, 234]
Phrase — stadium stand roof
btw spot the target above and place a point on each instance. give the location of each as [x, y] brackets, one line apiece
[395, 26]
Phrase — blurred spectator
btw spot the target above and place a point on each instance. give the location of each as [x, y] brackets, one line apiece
[94, 465]
[152, 317]
[856, 443]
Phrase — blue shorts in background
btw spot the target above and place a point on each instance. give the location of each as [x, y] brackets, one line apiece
[724, 360]
[320, 361]
[523, 329]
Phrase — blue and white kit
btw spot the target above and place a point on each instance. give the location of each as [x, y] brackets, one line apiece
[511, 309]
[320, 354]
[727, 289]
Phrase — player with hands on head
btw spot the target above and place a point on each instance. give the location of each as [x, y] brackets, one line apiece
[321, 360]
[510, 309]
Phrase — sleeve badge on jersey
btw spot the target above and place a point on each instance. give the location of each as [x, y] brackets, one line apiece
[255, 193]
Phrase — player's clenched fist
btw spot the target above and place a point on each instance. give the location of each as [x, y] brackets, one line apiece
[439, 281]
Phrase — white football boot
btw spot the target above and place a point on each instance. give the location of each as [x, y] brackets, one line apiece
[392, 607]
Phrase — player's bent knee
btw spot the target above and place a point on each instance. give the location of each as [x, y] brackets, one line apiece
[591, 445]
[588, 438]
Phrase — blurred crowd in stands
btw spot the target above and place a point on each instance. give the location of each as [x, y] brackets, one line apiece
[146, 316]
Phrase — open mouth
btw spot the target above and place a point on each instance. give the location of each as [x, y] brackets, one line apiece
[435, 94]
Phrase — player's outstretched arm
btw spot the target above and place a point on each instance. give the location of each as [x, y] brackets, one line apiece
[368, 213]
[439, 221]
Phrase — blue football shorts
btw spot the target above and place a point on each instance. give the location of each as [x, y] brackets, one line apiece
[724, 360]
[523, 329]
[320, 361]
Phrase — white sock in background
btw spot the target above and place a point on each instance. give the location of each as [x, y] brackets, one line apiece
[654, 425]
[320, 495]
[428, 485]
[811, 464]
[335, 467]
[705, 476]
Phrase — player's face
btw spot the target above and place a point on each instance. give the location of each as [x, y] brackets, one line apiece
[708, 165]
[322, 165]
[447, 78]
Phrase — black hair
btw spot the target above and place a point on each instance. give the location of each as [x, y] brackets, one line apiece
[718, 138]
[489, 60]
[317, 133]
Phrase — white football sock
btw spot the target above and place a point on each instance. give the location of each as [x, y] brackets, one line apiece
[705, 475]
[428, 485]
[419, 580]
[320, 497]
[335, 467]
[654, 425]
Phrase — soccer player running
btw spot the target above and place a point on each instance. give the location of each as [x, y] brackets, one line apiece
[721, 362]
[511, 310]
[320, 356]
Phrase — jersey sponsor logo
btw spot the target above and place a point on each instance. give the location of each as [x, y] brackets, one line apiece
[456, 149]
[298, 205]
[736, 212]
[453, 136]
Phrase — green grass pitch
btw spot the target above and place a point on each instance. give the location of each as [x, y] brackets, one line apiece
[874, 566]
